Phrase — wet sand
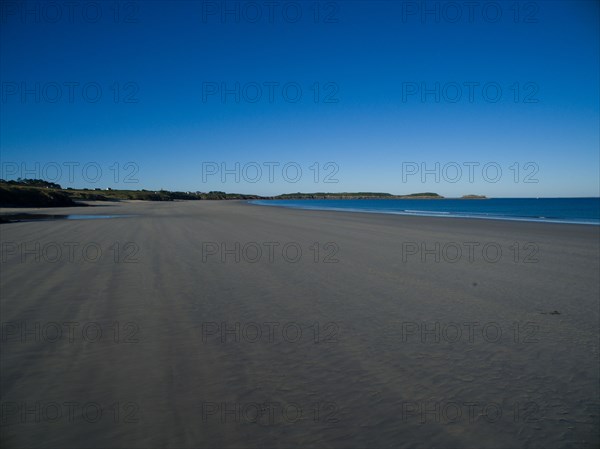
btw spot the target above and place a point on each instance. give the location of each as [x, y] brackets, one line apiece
[318, 329]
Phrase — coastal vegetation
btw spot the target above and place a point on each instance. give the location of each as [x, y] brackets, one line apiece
[21, 195]
[40, 193]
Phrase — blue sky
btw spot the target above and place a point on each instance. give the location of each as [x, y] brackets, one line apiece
[133, 91]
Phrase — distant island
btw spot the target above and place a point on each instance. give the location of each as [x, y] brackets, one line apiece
[473, 197]
[40, 193]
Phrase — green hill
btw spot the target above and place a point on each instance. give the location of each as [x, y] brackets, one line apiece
[40, 193]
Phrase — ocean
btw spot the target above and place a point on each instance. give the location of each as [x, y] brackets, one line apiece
[553, 210]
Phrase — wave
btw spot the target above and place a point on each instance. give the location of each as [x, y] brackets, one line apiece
[426, 212]
[435, 213]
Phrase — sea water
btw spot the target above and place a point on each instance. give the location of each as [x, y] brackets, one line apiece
[555, 210]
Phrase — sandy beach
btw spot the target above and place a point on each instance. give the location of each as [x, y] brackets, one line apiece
[223, 324]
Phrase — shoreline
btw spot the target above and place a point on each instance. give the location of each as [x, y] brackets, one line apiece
[431, 215]
[89, 206]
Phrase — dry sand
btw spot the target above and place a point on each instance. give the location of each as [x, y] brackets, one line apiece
[370, 377]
